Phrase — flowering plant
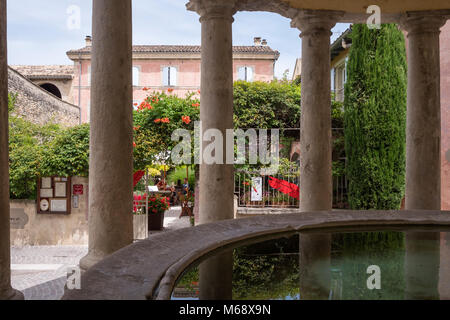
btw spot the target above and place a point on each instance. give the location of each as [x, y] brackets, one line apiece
[155, 120]
[156, 204]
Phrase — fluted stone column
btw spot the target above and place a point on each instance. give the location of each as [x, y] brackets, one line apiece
[6, 292]
[316, 189]
[111, 163]
[423, 166]
[216, 111]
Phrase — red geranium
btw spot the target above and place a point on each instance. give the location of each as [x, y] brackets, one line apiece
[186, 119]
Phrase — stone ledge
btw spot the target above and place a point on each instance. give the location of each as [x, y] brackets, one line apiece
[139, 270]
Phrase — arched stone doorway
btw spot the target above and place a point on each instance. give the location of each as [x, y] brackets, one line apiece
[49, 87]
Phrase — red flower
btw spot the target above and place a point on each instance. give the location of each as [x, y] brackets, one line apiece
[170, 90]
[165, 120]
[186, 119]
[158, 120]
[134, 144]
[196, 105]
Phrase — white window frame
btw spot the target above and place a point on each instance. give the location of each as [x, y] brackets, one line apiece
[333, 79]
[169, 84]
[89, 75]
[138, 80]
[246, 73]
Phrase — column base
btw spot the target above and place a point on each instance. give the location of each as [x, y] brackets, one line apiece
[90, 260]
[12, 294]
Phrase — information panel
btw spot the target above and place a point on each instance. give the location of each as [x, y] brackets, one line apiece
[53, 195]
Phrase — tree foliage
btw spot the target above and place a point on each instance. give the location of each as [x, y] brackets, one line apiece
[37, 150]
[262, 105]
[375, 118]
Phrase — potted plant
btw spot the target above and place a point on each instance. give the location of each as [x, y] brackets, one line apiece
[156, 208]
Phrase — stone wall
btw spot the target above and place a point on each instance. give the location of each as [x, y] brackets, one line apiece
[37, 105]
[31, 229]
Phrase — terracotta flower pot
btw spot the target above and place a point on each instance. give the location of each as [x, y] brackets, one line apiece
[155, 221]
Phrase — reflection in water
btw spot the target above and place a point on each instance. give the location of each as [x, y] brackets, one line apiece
[315, 276]
[354, 253]
[324, 266]
[444, 270]
[216, 277]
[422, 265]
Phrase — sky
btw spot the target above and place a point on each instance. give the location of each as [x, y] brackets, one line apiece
[41, 32]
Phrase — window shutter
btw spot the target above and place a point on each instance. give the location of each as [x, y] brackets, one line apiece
[135, 76]
[165, 76]
[173, 76]
[249, 74]
[332, 79]
[241, 73]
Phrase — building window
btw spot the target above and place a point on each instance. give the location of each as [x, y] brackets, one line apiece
[136, 73]
[89, 76]
[340, 74]
[245, 74]
[169, 76]
[346, 70]
[333, 78]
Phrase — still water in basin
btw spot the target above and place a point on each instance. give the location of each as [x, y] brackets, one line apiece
[337, 266]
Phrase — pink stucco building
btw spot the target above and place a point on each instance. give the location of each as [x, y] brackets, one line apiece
[445, 115]
[159, 67]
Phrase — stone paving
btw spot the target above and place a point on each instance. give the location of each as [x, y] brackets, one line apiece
[40, 272]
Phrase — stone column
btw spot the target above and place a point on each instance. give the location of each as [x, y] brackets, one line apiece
[216, 111]
[111, 144]
[6, 292]
[316, 186]
[423, 132]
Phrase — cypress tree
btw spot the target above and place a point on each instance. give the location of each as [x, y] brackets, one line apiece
[375, 118]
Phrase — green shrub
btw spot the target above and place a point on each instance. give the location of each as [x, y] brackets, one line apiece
[266, 105]
[68, 154]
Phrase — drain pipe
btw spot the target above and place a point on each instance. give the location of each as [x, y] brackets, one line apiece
[79, 86]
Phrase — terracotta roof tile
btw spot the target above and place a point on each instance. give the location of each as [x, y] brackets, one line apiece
[46, 72]
[185, 49]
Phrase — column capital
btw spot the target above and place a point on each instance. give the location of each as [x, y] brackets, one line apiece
[422, 22]
[316, 21]
[213, 9]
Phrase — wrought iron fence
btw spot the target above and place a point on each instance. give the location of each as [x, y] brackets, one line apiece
[258, 190]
